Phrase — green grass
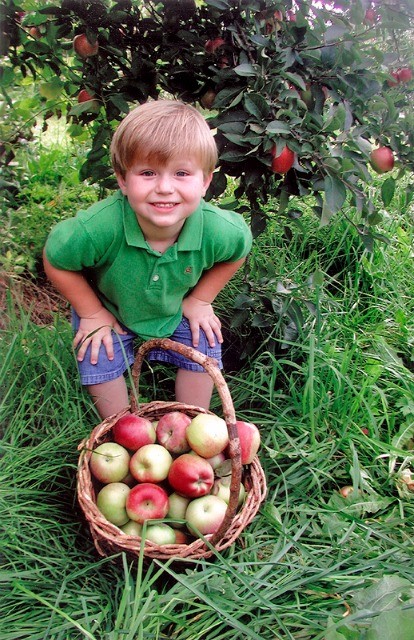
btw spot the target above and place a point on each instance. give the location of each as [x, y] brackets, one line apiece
[336, 408]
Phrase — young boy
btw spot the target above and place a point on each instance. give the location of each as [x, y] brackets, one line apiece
[149, 260]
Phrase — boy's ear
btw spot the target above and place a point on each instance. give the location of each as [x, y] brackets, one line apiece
[121, 183]
[207, 181]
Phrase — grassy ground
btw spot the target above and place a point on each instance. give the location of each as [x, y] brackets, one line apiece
[335, 409]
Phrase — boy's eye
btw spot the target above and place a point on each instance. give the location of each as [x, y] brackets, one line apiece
[182, 173]
[148, 172]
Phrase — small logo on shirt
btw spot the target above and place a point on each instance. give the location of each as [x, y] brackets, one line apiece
[188, 270]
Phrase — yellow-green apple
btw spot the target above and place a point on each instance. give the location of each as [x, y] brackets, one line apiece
[191, 475]
[111, 502]
[382, 159]
[160, 533]
[133, 432]
[221, 489]
[109, 462]
[249, 436]
[151, 463]
[132, 528]
[205, 514]
[177, 508]
[284, 161]
[147, 501]
[171, 431]
[207, 435]
[84, 47]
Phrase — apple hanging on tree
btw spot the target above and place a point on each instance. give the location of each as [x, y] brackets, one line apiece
[84, 47]
[382, 159]
[284, 161]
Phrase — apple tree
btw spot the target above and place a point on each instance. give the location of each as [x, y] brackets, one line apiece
[307, 98]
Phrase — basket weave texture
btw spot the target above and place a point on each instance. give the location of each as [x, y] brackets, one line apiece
[107, 537]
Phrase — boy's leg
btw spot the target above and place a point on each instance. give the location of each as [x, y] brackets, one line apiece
[193, 387]
[109, 397]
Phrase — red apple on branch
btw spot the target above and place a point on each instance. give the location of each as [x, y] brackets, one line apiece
[84, 47]
[284, 161]
[133, 432]
[84, 96]
[191, 475]
[213, 44]
[171, 431]
[147, 501]
[405, 74]
[382, 159]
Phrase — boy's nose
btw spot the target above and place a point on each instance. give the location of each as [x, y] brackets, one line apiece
[164, 184]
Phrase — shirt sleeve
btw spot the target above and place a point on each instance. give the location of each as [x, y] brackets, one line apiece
[70, 247]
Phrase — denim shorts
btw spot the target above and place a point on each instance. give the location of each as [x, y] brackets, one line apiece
[105, 370]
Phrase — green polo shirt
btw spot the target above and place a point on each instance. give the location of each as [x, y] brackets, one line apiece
[143, 288]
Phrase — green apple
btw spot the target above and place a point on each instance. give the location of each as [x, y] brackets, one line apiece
[111, 502]
[207, 435]
[109, 462]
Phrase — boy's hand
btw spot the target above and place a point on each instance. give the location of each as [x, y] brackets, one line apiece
[96, 330]
[201, 314]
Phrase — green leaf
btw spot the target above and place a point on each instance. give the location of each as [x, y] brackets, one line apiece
[256, 105]
[335, 193]
[392, 625]
[387, 191]
[245, 69]
[276, 126]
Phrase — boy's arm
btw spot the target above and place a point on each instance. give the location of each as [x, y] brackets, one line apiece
[96, 322]
[197, 305]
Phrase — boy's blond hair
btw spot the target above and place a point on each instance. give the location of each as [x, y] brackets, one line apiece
[159, 131]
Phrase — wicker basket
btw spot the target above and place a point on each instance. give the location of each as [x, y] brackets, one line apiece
[107, 537]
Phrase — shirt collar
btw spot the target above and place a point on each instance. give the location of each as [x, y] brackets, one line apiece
[188, 240]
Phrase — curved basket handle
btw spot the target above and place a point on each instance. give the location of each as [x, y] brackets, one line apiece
[211, 367]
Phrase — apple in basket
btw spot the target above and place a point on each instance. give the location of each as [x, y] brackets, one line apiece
[133, 432]
[151, 463]
[111, 501]
[177, 508]
[249, 436]
[205, 514]
[207, 435]
[147, 501]
[191, 475]
[171, 431]
[109, 462]
[159, 533]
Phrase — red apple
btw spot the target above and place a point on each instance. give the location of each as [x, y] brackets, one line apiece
[84, 96]
[284, 161]
[160, 533]
[111, 501]
[147, 501]
[177, 508]
[382, 159]
[171, 431]
[151, 463]
[249, 436]
[212, 45]
[84, 47]
[133, 432]
[191, 476]
[405, 74]
[205, 514]
[290, 15]
[207, 435]
[109, 462]
[35, 33]
[370, 16]
[393, 83]
[346, 491]
[182, 538]
[207, 99]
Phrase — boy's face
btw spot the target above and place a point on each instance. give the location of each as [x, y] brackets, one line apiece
[163, 196]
